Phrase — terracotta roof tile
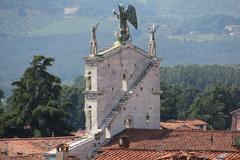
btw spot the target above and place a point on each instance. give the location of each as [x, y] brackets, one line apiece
[132, 154]
[178, 140]
[31, 147]
[182, 124]
[27, 157]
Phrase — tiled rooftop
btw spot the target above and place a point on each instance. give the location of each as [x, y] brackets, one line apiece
[131, 154]
[182, 124]
[31, 148]
[26, 157]
[178, 140]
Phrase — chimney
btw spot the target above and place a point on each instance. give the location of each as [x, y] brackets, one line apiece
[124, 142]
[62, 152]
[204, 127]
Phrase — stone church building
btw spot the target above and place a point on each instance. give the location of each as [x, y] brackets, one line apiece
[122, 90]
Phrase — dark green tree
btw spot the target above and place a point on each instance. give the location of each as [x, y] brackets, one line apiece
[169, 101]
[210, 106]
[1, 103]
[75, 98]
[79, 82]
[1, 113]
[35, 106]
[1, 94]
[176, 100]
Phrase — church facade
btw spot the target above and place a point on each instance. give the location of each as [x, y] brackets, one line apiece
[122, 90]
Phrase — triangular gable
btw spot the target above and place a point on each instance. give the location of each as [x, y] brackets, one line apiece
[115, 49]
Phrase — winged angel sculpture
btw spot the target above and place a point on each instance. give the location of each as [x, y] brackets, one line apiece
[124, 16]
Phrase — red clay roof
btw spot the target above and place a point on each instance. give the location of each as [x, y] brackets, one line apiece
[31, 148]
[182, 124]
[26, 157]
[131, 154]
[178, 140]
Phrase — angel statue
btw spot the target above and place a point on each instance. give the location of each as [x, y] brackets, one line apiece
[93, 42]
[124, 16]
[152, 42]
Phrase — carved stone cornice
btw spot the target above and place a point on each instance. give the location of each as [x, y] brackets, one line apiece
[93, 92]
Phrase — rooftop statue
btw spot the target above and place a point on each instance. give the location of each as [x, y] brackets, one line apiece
[152, 42]
[93, 42]
[124, 16]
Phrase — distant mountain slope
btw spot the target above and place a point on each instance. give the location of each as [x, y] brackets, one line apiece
[190, 32]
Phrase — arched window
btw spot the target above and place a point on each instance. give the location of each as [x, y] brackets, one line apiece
[124, 82]
[90, 119]
[124, 76]
[89, 81]
[128, 122]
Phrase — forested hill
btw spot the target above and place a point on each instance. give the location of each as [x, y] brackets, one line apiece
[201, 76]
[207, 92]
[191, 32]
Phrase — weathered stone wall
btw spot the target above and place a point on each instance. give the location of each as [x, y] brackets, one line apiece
[107, 77]
[144, 101]
[110, 76]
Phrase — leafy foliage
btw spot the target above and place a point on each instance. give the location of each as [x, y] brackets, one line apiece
[201, 76]
[207, 92]
[75, 98]
[35, 108]
[30, 26]
[176, 100]
[1, 94]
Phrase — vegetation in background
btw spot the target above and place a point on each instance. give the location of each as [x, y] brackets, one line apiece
[40, 106]
[201, 76]
[208, 92]
[74, 95]
[190, 32]
[35, 107]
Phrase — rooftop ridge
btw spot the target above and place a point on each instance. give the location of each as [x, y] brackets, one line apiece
[186, 130]
[23, 156]
[38, 138]
[152, 150]
[176, 140]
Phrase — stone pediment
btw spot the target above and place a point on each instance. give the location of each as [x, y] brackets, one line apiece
[115, 49]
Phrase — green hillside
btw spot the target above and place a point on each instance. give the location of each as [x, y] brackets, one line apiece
[191, 32]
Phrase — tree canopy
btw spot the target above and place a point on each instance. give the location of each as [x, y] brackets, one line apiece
[1, 94]
[35, 107]
[207, 92]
